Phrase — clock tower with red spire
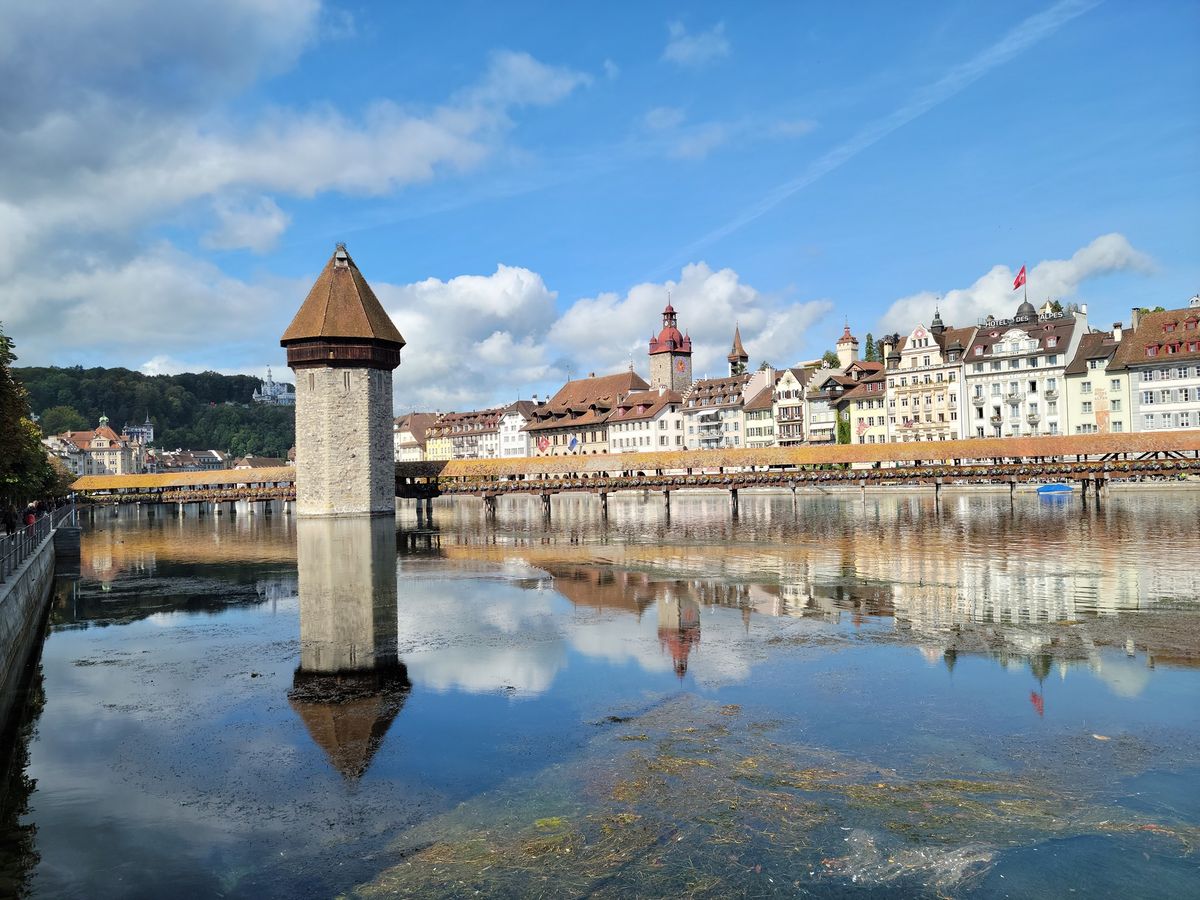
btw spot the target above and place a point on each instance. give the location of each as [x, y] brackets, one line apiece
[670, 355]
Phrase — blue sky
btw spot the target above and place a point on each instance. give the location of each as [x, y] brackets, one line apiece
[522, 183]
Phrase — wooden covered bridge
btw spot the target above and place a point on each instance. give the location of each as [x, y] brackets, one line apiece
[1089, 460]
[1092, 461]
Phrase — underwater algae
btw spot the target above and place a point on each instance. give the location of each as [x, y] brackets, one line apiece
[705, 805]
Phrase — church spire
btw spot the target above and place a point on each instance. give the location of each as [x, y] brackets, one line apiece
[738, 357]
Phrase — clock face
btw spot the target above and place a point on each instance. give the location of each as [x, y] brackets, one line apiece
[680, 365]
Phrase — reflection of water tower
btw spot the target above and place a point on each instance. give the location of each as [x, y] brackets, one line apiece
[350, 684]
[678, 627]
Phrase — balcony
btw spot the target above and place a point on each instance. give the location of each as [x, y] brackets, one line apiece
[1014, 397]
[1050, 394]
[1033, 418]
[996, 420]
[979, 400]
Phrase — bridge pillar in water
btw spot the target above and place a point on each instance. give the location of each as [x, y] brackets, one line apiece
[546, 505]
[604, 504]
[429, 509]
[733, 501]
[343, 348]
[667, 501]
[489, 505]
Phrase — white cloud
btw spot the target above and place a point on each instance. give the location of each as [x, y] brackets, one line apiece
[255, 225]
[472, 340]
[709, 303]
[611, 70]
[695, 50]
[992, 293]
[663, 118]
[161, 299]
[697, 143]
[792, 128]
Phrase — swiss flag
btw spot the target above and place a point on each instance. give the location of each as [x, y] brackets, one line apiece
[1020, 279]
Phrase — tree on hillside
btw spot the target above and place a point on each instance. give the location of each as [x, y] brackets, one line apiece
[198, 411]
[25, 469]
[763, 366]
[871, 351]
[832, 358]
[58, 419]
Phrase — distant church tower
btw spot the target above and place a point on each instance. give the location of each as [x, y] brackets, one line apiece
[343, 348]
[738, 357]
[670, 355]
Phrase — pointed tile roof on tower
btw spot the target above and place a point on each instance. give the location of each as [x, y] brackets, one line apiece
[738, 351]
[342, 305]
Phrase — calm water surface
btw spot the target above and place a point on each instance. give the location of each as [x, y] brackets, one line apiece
[824, 698]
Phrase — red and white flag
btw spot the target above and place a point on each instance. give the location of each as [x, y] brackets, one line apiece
[1020, 279]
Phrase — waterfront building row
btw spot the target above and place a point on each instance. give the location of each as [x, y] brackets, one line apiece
[1037, 372]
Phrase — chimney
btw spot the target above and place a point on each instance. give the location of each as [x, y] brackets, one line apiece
[1117, 332]
[1135, 318]
[1083, 308]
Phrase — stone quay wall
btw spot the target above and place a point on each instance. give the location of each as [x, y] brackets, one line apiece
[345, 455]
[23, 598]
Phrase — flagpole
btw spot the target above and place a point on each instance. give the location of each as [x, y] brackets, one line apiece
[1026, 283]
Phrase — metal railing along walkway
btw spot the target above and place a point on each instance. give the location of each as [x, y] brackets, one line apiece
[17, 547]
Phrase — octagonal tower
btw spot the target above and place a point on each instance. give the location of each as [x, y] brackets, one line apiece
[343, 348]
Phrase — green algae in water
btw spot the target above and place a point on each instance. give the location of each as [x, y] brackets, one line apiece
[707, 811]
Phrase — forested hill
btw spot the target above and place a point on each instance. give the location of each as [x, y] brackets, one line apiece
[204, 411]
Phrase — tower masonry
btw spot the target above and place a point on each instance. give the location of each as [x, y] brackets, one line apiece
[670, 355]
[343, 348]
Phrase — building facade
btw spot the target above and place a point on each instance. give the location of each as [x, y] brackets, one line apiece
[866, 405]
[788, 405]
[1015, 372]
[925, 386]
[410, 435]
[98, 452]
[1162, 358]
[274, 393]
[1097, 399]
[646, 421]
[712, 413]
[573, 421]
[514, 439]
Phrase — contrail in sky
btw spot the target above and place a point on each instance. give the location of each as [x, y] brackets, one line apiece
[1029, 32]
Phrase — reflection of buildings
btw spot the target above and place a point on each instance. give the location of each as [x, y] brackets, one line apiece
[350, 684]
[678, 628]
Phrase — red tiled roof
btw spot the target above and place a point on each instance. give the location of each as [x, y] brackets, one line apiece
[1168, 346]
[1093, 345]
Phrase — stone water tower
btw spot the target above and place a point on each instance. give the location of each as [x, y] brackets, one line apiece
[343, 347]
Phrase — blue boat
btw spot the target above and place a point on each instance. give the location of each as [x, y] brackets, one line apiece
[1055, 489]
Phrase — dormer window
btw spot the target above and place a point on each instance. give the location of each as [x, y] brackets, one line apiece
[1152, 351]
[1169, 327]
[1052, 341]
[979, 351]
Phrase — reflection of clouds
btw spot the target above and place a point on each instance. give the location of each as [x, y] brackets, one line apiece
[480, 635]
[506, 629]
[1124, 678]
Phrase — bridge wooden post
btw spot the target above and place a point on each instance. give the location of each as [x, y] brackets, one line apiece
[733, 501]
[937, 490]
[604, 504]
[546, 506]
[1012, 491]
[862, 490]
[489, 505]
[667, 501]
[429, 509]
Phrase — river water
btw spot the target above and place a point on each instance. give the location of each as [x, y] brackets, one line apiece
[824, 697]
